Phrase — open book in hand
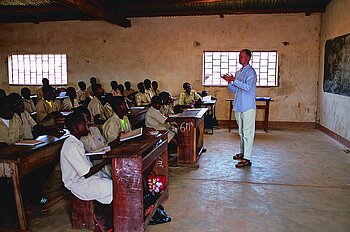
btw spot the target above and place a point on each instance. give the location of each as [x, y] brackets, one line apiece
[29, 142]
[131, 134]
[99, 151]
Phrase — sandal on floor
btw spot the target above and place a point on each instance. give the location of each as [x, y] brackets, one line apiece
[238, 156]
[243, 163]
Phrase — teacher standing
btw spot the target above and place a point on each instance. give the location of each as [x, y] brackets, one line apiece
[243, 85]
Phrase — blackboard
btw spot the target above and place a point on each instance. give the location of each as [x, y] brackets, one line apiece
[337, 66]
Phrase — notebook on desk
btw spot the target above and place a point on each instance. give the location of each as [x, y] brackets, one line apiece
[131, 134]
[101, 151]
[29, 142]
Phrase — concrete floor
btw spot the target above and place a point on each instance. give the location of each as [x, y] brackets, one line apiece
[299, 181]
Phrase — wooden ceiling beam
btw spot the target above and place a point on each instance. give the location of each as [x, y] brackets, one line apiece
[95, 10]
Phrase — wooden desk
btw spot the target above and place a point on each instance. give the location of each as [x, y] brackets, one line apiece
[137, 116]
[18, 161]
[131, 164]
[190, 135]
[210, 114]
[265, 107]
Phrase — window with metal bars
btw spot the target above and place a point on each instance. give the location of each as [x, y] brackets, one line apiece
[30, 69]
[217, 63]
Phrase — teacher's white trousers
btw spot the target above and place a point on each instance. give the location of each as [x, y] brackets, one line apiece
[246, 131]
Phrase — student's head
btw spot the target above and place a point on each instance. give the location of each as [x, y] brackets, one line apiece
[147, 83]
[98, 90]
[204, 93]
[127, 85]
[141, 87]
[82, 85]
[25, 92]
[49, 93]
[119, 106]
[155, 85]
[77, 124]
[165, 97]
[6, 111]
[114, 85]
[121, 88]
[16, 102]
[86, 112]
[2, 94]
[93, 80]
[156, 102]
[108, 97]
[244, 57]
[71, 93]
[187, 87]
[45, 82]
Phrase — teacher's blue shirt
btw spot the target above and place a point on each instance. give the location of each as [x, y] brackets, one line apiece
[244, 88]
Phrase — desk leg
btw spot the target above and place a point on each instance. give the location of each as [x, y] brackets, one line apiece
[230, 117]
[18, 198]
[266, 119]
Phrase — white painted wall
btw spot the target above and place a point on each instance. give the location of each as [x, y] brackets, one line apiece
[333, 109]
[163, 49]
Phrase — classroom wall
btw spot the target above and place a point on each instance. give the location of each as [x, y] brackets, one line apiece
[165, 49]
[333, 109]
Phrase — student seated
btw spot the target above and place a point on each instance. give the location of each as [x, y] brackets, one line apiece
[148, 87]
[47, 104]
[83, 95]
[128, 90]
[70, 102]
[107, 108]
[28, 102]
[40, 90]
[166, 109]
[189, 97]
[96, 107]
[27, 122]
[2, 94]
[115, 90]
[93, 81]
[119, 122]
[154, 89]
[142, 98]
[10, 127]
[80, 176]
[155, 119]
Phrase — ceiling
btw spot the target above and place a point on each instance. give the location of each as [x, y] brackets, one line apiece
[121, 12]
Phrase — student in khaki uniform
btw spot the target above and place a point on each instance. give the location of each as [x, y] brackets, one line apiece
[47, 104]
[156, 120]
[154, 89]
[40, 91]
[142, 98]
[27, 122]
[166, 109]
[71, 101]
[115, 90]
[96, 107]
[189, 97]
[93, 81]
[83, 95]
[128, 90]
[119, 122]
[28, 103]
[10, 127]
[107, 108]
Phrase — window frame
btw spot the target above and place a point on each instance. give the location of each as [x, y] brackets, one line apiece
[63, 69]
[277, 76]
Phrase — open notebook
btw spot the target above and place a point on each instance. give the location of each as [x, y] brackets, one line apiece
[29, 142]
[131, 134]
[99, 151]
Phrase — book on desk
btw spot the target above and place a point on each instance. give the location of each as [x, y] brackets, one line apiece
[29, 142]
[131, 134]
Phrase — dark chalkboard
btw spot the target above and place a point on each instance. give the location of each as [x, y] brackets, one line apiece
[337, 66]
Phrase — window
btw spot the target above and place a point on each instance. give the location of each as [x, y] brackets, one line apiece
[31, 69]
[216, 64]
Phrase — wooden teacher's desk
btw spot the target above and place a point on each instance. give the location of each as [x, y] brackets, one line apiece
[190, 135]
[132, 162]
[18, 161]
[265, 107]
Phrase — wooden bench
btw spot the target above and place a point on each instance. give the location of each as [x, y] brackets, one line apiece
[82, 213]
